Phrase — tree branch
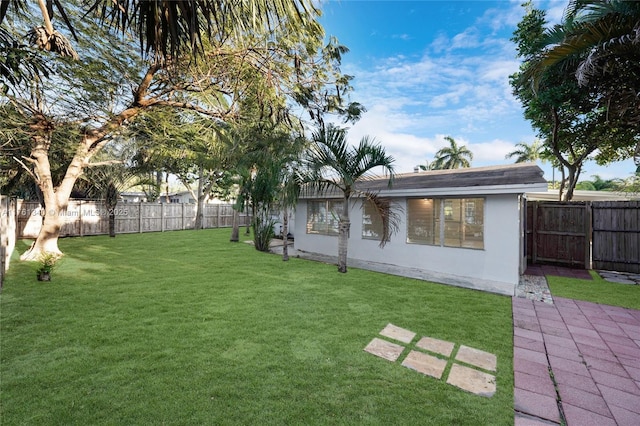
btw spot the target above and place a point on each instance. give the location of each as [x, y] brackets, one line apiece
[193, 107]
[104, 163]
[33, 175]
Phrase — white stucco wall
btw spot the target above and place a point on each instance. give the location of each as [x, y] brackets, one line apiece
[494, 268]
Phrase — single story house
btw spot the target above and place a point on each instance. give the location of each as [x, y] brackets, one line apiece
[133, 197]
[463, 227]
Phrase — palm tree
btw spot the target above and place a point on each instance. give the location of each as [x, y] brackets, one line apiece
[452, 157]
[169, 28]
[333, 165]
[426, 166]
[599, 39]
[526, 153]
[600, 184]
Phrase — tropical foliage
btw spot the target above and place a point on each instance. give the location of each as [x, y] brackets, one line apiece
[599, 40]
[332, 164]
[273, 52]
[453, 156]
[526, 153]
[575, 123]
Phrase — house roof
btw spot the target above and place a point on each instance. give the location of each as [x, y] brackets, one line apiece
[505, 179]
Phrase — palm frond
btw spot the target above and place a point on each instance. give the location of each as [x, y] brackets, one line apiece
[389, 213]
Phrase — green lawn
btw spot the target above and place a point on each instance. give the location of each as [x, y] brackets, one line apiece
[187, 328]
[596, 290]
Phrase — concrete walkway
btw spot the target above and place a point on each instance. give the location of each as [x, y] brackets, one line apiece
[576, 362]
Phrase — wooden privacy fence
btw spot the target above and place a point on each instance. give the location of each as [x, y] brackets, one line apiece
[558, 233]
[598, 234]
[91, 218]
[616, 236]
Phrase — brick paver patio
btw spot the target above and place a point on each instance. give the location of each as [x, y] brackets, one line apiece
[577, 362]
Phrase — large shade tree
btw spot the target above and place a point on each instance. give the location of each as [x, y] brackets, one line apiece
[570, 119]
[110, 85]
[332, 164]
[185, 144]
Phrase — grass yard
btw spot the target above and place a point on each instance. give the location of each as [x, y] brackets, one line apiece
[597, 290]
[186, 328]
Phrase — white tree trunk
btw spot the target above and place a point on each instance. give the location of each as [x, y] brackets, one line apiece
[343, 235]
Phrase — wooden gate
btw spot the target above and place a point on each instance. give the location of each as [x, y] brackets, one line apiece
[559, 233]
[616, 235]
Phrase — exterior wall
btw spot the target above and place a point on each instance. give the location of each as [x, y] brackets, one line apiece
[494, 268]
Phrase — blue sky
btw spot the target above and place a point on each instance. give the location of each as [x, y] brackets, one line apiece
[427, 69]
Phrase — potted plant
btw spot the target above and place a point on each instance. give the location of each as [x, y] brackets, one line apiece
[47, 262]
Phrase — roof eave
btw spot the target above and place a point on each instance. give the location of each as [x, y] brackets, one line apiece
[466, 190]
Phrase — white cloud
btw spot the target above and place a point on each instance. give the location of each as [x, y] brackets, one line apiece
[402, 36]
[555, 11]
[468, 39]
[459, 87]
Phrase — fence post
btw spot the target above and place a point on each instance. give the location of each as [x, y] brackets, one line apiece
[161, 217]
[182, 204]
[80, 214]
[140, 217]
[588, 234]
[534, 234]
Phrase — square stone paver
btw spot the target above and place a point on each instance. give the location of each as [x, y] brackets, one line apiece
[471, 380]
[441, 347]
[383, 349]
[484, 360]
[425, 364]
[397, 333]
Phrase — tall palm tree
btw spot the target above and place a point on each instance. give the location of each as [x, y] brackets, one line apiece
[333, 165]
[526, 153]
[452, 156]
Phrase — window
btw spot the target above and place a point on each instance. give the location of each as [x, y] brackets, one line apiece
[451, 222]
[373, 227]
[422, 222]
[323, 216]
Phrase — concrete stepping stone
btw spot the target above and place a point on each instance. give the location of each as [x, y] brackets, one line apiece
[383, 349]
[397, 333]
[441, 347]
[476, 357]
[471, 380]
[425, 364]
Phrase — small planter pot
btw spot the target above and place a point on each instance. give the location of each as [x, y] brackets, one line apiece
[44, 276]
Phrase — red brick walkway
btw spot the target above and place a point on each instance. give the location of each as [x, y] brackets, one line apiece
[577, 362]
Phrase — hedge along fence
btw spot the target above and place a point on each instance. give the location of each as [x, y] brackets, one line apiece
[23, 219]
